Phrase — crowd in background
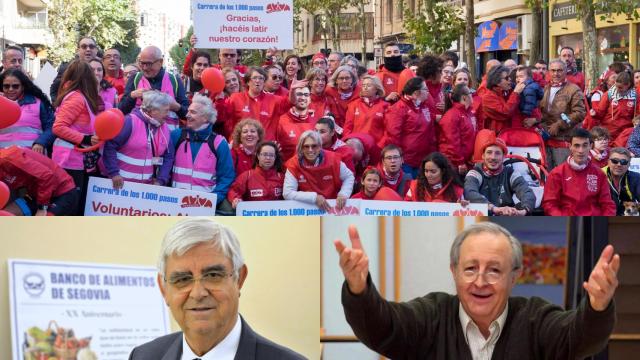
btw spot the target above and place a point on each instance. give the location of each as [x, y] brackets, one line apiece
[418, 129]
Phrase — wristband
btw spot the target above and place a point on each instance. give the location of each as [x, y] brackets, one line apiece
[22, 204]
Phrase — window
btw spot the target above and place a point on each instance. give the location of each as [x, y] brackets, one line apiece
[389, 11]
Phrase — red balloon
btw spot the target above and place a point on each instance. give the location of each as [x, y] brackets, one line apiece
[109, 124]
[388, 194]
[213, 80]
[5, 213]
[4, 194]
[9, 112]
[405, 75]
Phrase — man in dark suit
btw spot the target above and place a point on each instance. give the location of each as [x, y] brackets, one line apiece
[201, 274]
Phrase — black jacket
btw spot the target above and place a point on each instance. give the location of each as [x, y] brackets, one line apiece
[429, 327]
[252, 347]
[629, 189]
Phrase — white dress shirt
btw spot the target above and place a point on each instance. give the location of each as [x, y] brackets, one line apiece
[481, 348]
[225, 350]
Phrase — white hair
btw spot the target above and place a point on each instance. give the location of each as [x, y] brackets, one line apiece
[190, 232]
[154, 99]
[207, 107]
[314, 135]
[491, 228]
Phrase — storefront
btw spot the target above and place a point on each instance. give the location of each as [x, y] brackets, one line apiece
[614, 36]
[496, 40]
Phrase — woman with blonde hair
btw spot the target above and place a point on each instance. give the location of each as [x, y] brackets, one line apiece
[366, 114]
[246, 136]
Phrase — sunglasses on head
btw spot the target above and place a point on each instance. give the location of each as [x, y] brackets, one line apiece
[622, 162]
[11, 86]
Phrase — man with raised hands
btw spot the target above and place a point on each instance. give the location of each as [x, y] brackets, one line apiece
[482, 321]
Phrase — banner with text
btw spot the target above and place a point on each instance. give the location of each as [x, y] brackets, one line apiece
[360, 207]
[83, 311]
[135, 199]
[243, 24]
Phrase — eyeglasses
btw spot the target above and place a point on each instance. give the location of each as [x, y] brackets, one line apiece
[343, 78]
[232, 55]
[310, 146]
[257, 78]
[11, 86]
[393, 157]
[211, 280]
[319, 62]
[622, 162]
[147, 63]
[276, 77]
[556, 70]
[267, 155]
[303, 94]
[491, 277]
[87, 46]
[16, 61]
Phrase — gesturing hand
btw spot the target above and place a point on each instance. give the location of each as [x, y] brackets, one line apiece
[353, 261]
[603, 280]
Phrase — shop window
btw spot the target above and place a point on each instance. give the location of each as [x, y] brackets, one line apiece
[612, 45]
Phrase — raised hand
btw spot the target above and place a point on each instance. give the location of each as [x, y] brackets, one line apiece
[353, 261]
[603, 280]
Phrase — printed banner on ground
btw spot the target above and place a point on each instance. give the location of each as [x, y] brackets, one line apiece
[135, 199]
[360, 207]
[83, 311]
[243, 24]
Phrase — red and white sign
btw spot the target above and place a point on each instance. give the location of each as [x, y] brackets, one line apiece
[242, 24]
[135, 199]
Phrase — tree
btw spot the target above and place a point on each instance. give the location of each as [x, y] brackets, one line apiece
[586, 14]
[434, 25]
[362, 17]
[536, 7]
[470, 37]
[109, 22]
[331, 11]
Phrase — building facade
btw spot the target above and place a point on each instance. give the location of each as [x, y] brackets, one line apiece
[312, 36]
[24, 24]
[617, 35]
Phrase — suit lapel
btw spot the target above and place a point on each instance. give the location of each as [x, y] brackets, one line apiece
[248, 341]
[174, 352]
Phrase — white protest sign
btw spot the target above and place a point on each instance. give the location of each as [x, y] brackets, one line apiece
[243, 24]
[635, 165]
[76, 310]
[424, 209]
[360, 207]
[135, 199]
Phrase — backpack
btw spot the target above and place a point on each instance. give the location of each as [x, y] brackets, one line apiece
[210, 141]
[172, 78]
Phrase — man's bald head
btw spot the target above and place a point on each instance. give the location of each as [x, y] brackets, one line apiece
[150, 61]
[491, 64]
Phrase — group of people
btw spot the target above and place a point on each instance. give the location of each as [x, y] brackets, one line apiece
[333, 131]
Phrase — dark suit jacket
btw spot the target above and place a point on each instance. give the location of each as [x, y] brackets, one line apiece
[252, 347]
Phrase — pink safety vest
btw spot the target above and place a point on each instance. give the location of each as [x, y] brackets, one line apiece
[136, 155]
[64, 153]
[26, 130]
[198, 175]
[172, 120]
[109, 98]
